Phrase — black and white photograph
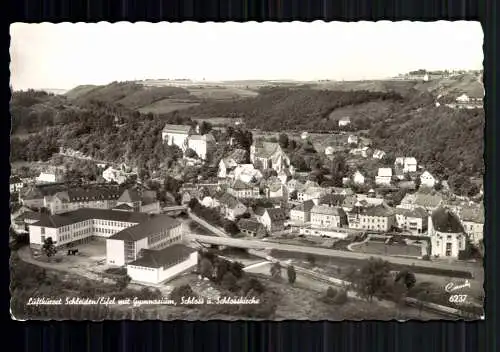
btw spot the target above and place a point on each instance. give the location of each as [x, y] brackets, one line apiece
[247, 171]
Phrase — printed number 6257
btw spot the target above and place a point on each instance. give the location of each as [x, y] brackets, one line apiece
[458, 298]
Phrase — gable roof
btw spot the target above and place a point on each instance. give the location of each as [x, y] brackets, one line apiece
[240, 185]
[332, 198]
[472, 214]
[163, 258]
[150, 225]
[428, 200]
[417, 213]
[177, 128]
[229, 200]
[266, 149]
[64, 219]
[129, 196]
[251, 225]
[327, 210]
[305, 206]
[276, 214]
[378, 210]
[443, 220]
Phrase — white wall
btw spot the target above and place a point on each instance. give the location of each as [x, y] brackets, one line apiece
[175, 138]
[35, 234]
[156, 276]
[115, 252]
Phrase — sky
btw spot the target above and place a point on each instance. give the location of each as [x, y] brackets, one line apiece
[62, 56]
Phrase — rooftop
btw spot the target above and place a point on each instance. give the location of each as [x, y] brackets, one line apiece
[251, 225]
[163, 258]
[327, 210]
[276, 214]
[72, 217]
[177, 128]
[305, 206]
[152, 225]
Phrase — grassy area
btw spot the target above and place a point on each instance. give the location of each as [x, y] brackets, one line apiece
[374, 247]
[349, 262]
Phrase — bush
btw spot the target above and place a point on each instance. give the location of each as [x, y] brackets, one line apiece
[182, 291]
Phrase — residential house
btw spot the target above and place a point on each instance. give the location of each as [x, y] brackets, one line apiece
[273, 219]
[406, 164]
[159, 266]
[230, 207]
[343, 191]
[226, 166]
[447, 234]
[311, 193]
[378, 154]
[358, 178]
[15, 184]
[268, 155]
[352, 139]
[332, 199]
[176, 135]
[370, 201]
[294, 185]
[251, 228]
[284, 175]
[363, 152]
[246, 173]
[429, 202]
[204, 145]
[326, 216]
[414, 221]
[119, 176]
[377, 218]
[344, 121]
[276, 190]
[472, 219]
[349, 203]
[301, 214]
[427, 180]
[384, 176]
[241, 189]
[49, 176]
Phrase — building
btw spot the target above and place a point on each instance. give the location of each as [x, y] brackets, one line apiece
[79, 226]
[119, 175]
[230, 207]
[144, 202]
[226, 166]
[447, 234]
[241, 189]
[472, 219]
[344, 121]
[294, 185]
[203, 146]
[414, 221]
[377, 218]
[429, 202]
[326, 216]
[358, 178]
[384, 176]
[332, 199]
[54, 176]
[246, 173]
[311, 193]
[427, 180]
[251, 228]
[285, 175]
[406, 164]
[176, 135]
[158, 266]
[275, 190]
[273, 219]
[378, 154]
[78, 197]
[329, 151]
[15, 184]
[352, 139]
[301, 214]
[268, 155]
[157, 232]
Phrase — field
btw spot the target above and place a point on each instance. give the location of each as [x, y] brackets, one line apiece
[167, 105]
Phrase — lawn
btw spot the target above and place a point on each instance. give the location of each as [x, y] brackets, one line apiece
[375, 247]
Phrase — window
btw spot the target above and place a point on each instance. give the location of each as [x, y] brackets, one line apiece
[42, 230]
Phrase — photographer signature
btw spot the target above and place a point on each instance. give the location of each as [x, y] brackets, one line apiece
[452, 287]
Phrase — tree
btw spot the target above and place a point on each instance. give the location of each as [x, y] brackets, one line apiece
[182, 291]
[371, 279]
[122, 282]
[283, 140]
[231, 228]
[193, 203]
[293, 195]
[190, 153]
[292, 275]
[229, 281]
[205, 127]
[276, 271]
[206, 268]
[49, 248]
[407, 278]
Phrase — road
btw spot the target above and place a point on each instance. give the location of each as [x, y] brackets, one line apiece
[255, 244]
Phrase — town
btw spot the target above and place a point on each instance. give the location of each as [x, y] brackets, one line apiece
[347, 203]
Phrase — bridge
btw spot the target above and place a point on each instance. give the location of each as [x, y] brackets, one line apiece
[174, 208]
[262, 245]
